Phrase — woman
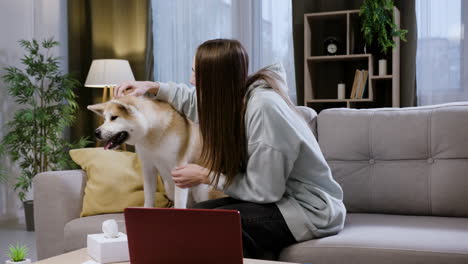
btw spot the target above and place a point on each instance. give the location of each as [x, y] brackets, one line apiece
[257, 149]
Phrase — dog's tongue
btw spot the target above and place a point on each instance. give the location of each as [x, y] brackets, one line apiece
[108, 145]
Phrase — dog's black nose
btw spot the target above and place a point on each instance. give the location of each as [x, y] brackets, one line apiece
[97, 133]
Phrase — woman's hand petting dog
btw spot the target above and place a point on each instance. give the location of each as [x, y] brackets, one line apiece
[190, 175]
[136, 88]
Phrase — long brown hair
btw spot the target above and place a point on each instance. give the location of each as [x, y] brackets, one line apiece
[221, 73]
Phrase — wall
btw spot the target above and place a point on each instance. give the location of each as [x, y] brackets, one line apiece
[25, 19]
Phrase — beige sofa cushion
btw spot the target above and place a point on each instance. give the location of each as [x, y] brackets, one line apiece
[399, 160]
[378, 238]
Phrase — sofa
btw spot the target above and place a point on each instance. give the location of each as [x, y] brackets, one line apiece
[404, 173]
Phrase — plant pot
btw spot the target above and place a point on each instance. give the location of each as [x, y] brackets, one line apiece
[26, 261]
[382, 67]
[29, 214]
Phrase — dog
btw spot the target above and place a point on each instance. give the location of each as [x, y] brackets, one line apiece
[163, 139]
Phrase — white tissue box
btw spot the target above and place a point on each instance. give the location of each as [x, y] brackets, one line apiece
[108, 250]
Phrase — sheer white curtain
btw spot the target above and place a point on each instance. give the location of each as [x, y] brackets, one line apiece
[442, 58]
[264, 27]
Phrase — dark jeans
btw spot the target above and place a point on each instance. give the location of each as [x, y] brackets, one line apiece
[264, 231]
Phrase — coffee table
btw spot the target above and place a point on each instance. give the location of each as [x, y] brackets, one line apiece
[81, 255]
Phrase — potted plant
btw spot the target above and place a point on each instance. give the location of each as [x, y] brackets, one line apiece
[18, 254]
[34, 139]
[378, 27]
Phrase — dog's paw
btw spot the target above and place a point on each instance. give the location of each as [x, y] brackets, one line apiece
[148, 205]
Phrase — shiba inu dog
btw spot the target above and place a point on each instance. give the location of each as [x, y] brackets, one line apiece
[163, 139]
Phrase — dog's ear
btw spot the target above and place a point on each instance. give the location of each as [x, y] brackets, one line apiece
[97, 108]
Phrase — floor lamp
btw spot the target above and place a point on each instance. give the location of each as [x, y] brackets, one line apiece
[107, 74]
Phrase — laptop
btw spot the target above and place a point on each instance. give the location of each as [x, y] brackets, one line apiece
[166, 235]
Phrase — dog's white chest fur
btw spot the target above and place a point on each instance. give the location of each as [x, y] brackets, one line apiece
[162, 158]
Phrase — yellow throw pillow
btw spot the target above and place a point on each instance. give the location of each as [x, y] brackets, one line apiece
[115, 181]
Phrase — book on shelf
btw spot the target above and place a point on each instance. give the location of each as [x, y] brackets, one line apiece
[356, 84]
[359, 84]
[357, 77]
[362, 84]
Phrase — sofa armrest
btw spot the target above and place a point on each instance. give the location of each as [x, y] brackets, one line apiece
[58, 199]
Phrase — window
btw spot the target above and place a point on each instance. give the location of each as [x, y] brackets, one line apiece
[264, 27]
[440, 59]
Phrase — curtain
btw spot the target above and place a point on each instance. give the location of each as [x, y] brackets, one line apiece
[408, 49]
[442, 51]
[106, 29]
[264, 27]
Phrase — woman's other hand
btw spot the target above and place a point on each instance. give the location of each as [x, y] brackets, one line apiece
[190, 175]
[136, 88]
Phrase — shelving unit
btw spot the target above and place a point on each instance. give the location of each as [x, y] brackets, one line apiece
[322, 73]
[382, 77]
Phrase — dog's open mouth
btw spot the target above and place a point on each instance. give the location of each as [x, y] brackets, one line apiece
[117, 140]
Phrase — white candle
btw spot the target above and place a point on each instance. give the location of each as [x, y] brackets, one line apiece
[341, 91]
[382, 67]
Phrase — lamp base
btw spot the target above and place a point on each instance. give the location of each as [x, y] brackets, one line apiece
[107, 93]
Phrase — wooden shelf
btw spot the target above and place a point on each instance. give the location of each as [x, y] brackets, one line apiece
[322, 73]
[339, 57]
[333, 13]
[383, 77]
[338, 100]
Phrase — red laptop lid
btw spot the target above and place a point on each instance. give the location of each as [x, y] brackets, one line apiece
[163, 235]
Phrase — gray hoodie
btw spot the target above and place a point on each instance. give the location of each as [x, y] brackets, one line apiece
[285, 164]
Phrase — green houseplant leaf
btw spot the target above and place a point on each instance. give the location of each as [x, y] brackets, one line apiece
[377, 24]
[18, 252]
[34, 138]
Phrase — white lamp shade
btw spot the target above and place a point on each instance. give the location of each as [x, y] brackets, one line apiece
[108, 72]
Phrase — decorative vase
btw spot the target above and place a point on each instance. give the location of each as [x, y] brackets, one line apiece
[341, 91]
[29, 214]
[26, 261]
[382, 67]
